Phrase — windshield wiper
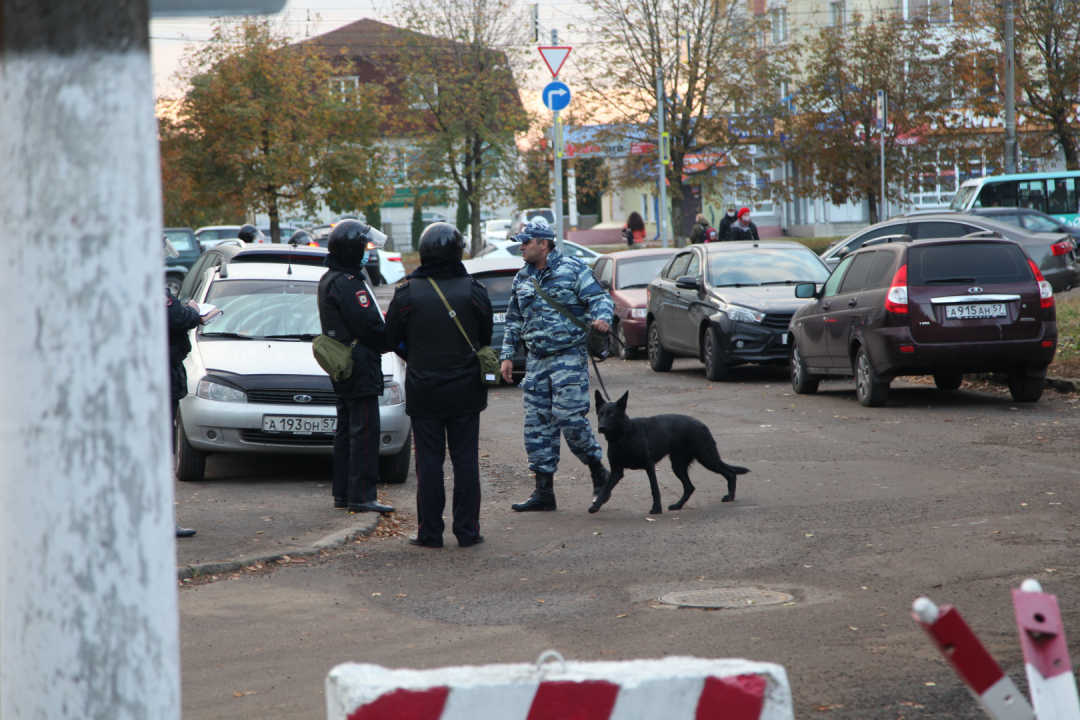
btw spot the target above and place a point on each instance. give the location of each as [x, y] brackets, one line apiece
[790, 282]
[295, 336]
[238, 336]
[947, 281]
[738, 285]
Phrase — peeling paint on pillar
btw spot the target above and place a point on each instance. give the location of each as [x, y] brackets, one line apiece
[88, 607]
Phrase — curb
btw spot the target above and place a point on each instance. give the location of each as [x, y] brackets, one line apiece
[1067, 385]
[186, 572]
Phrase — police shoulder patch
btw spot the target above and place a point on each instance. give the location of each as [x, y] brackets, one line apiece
[362, 298]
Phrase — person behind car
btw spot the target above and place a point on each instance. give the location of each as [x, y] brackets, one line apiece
[725, 224]
[348, 313]
[301, 238]
[556, 384]
[250, 234]
[743, 228]
[634, 230]
[699, 233]
[182, 317]
[443, 392]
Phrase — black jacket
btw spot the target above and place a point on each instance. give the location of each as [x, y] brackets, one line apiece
[726, 222]
[347, 311]
[182, 318]
[737, 233]
[443, 375]
[697, 233]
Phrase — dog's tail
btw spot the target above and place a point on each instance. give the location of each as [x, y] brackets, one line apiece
[709, 456]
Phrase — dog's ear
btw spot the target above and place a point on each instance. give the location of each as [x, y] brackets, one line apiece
[599, 401]
[621, 402]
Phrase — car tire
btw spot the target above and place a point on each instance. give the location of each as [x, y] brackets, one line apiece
[173, 283]
[948, 380]
[623, 348]
[871, 390]
[1025, 388]
[660, 360]
[394, 469]
[716, 370]
[802, 382]
[190, 461]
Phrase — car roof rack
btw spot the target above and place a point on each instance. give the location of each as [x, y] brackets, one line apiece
[985, 234]
[887, 239]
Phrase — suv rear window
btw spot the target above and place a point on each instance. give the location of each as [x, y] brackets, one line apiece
[980, 263]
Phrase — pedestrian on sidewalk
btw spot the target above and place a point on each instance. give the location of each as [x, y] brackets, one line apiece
[726, 223]
[700, 232]
[744, 228]
[348, 313]
[443, 392]
[556, 384]
[634, 230]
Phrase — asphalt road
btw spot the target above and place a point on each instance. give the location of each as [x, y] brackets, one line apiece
[853, 511]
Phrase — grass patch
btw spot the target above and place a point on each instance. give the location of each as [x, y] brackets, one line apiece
[1067, 358]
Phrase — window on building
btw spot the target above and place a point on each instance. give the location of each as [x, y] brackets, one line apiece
[836, 13]
[778, 20]
[346, 88]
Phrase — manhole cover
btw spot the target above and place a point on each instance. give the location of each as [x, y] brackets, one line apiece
[726, 598]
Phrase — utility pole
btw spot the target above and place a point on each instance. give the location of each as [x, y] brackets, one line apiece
[661, 155]
[1010, 90]
[882, 123]
[557, 145]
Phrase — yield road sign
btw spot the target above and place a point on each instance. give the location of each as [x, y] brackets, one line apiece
[556, 96]
[554, 57]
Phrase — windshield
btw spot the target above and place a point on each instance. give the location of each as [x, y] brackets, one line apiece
[761, 266]
[637, 272]
[966, 262]
[963, 197]
[259, 308]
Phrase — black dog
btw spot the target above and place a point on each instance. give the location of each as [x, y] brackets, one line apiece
[640, 444]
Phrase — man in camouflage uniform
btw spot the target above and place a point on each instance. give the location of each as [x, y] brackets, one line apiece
[556, 384]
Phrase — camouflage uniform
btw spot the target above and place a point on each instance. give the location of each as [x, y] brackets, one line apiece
[556, 384]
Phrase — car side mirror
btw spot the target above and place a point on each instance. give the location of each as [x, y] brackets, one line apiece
[687, 282]
[606, 284]
[805, 291]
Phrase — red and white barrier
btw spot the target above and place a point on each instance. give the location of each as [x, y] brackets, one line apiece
[1046, 656]
[960, 647]
[676, 688]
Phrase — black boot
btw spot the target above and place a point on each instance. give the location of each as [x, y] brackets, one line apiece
[543, 497]
[600, 477]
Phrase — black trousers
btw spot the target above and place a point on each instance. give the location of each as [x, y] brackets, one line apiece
[356, 449]
[461, 434]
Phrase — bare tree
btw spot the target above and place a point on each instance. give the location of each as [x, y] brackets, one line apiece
[722, 96]
[454, 70]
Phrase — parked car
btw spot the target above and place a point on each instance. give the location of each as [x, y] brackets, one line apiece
[237, 251]
[509, 248]
[926, 307]
[1052, 252]
[526, 215]
[176, 269]
[1031, 220]
[254, 384]
[626, 275]
[391, 267]
[211, 235]
[498, 275]
[728, 303]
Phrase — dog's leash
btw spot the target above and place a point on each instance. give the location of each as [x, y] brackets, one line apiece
[614, 338]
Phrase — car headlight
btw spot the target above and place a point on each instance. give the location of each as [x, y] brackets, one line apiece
[638, 313]
[746, 315]
[391, 394]
[211, 390]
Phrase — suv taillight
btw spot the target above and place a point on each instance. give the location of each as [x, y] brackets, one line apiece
[896, 300]
[1046, 293]
[1063, 247]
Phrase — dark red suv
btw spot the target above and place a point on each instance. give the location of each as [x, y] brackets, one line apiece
[927, 307]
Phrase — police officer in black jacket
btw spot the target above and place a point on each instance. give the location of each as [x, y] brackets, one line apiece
[347, 312]
[443, 392]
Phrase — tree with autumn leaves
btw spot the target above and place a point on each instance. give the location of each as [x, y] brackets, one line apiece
[271, 127]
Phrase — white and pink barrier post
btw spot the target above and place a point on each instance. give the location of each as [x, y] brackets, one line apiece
[1046, 657]
[676, 688]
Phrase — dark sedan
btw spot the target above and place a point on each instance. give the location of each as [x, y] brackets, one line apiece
[728, 304]
[498, 275]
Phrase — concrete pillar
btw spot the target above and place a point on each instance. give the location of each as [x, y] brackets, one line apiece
[88, 616]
